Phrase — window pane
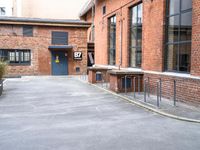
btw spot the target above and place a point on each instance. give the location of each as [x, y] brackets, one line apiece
[139, 36]
[186, 4]
[27, 31]
[139, 20]
[133, 37]
[174, 7]
[132, 57]
[112, 57]
[186, 26]
[12, 57]
[173, 28]
[22, 56]
[27, 56]
[172, 52]
[184, 57]
[134, 16]
[3, 55]
[138, 57]
[16, 56]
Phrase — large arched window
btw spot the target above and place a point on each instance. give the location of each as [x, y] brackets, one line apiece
[179, 33]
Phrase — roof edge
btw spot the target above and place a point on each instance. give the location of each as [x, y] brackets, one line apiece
[46, 22]
[86, 8]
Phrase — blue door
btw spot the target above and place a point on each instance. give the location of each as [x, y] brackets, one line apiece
[59, 63]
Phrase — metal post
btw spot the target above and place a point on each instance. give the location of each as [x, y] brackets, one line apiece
[174, 92]
[160, 89]
[134, 86]
[148, 87]
[145, 96]
[138, 84]
[158, 101]
[126, 84]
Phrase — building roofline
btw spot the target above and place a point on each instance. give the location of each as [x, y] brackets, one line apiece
[44, 22]
[87, 7]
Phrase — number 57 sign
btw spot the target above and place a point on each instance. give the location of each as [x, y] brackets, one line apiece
[77, 55]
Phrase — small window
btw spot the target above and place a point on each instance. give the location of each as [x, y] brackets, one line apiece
[2, 11]
[59, 38]
[126, 83]
[28, 31]
[16, 57]
[77, 69]
[3, 55]
[104, 10]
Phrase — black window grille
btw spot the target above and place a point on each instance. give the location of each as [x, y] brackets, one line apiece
[178, 35]
[59, 38]
[16, 56]
[135, 53]
[112, 41]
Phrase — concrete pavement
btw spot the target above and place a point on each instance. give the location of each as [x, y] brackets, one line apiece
[47, 113]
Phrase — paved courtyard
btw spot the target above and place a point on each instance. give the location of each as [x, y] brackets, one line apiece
[62, 113]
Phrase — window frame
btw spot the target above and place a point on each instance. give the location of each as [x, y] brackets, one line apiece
[15, 62]
[138, 49]
[112, 49]
[178, 42]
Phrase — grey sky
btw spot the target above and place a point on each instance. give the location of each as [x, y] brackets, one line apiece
[73, 8]
[60, 9]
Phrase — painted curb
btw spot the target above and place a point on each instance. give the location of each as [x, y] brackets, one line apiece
[145, 106]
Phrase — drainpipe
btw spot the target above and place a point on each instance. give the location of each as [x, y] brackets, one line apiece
[93, 8]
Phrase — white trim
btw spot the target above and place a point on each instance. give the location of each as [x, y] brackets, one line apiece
[172, 74]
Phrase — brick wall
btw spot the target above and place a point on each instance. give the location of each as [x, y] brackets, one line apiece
[187, 89]
[195, 66]
[152, 49]
[153, 35]
[11, 38]
[88, 18]
[153, 42]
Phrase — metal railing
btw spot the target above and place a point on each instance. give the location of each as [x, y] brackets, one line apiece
[161, 88]
[152, 91]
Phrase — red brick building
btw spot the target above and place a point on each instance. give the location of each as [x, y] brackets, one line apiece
[151, 39]
[44, 46]
[88, 14]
